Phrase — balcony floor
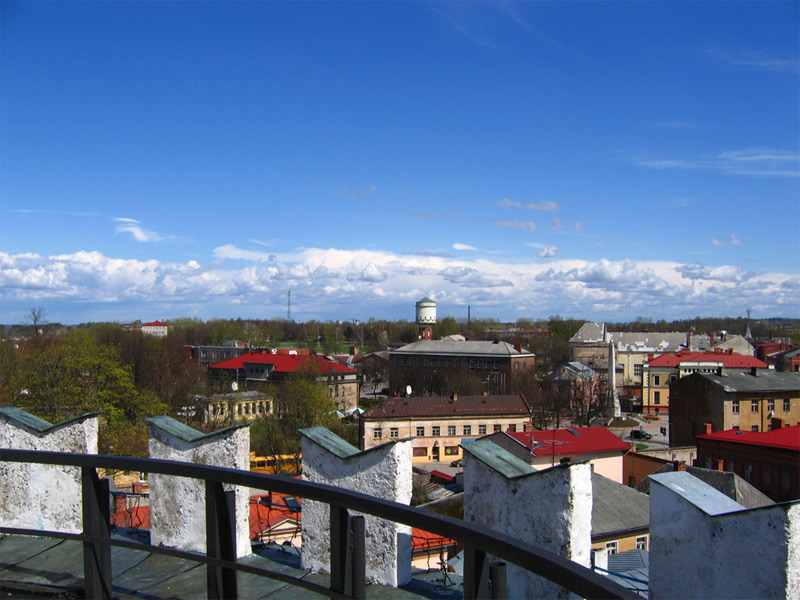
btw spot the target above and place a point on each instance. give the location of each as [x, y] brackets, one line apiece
[46, 567]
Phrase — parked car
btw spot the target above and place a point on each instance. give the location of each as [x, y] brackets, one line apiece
[638, 434]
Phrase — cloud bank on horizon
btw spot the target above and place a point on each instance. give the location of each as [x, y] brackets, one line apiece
[254, 284]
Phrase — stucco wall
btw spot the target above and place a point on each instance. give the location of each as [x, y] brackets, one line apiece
[705, 545]
[177, 504]
[384, 472]
[551, 509]
[43, 496]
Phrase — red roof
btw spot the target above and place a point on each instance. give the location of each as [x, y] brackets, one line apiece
[562, 441]
[787, 438]
[284, 363]
[728, 359]
[425, 540]
[155, 324]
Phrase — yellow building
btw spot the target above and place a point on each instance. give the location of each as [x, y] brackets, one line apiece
[440, 424]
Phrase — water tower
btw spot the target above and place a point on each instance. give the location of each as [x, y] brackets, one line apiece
[426, 318]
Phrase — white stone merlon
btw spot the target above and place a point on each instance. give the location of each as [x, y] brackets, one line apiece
[551, 508]
[705, 545]
[177, 504]
[383, 472]
[34, 496]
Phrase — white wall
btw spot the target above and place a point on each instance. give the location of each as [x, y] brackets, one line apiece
[384, 472]
[43, 496]
[705, 545]
[177, 504]
[551, 509]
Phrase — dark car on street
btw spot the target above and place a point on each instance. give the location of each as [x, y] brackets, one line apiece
[637, 434]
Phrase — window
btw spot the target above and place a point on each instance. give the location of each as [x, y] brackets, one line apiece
[377, 433]
[766, 478]
[735, 407]
[656, 397]
[754, 428]
[467, 429]
[786, 405]
[435, 431]
[656, 380]
[611, 547]
[641, 543]
[472, 364]
[451, 430]
[770, 405]
[393, 433]
[451, 450]
[481, 429]
[637, 370]
[420, 432]
[498, 428]
[516, 366]
[754, 406]
[748, 472]
[736, 428]
[512, 428]
[421, 452]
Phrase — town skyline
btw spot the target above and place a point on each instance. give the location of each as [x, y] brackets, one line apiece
[602, 161]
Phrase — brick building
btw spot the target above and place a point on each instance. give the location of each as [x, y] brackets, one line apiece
[769, 460]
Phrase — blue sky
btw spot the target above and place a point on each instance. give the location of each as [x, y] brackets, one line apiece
[593, 160]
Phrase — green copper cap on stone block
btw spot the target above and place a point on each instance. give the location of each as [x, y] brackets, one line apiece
[183, 432]
[37, 425]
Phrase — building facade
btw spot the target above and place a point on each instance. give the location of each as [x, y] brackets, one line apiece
[155, 328]
[769, 460]
[741, 401]
[439, 424]
[658, 372]
[256, 370]
[493, 362]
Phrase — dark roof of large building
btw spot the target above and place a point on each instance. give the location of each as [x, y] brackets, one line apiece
[449, 406]
[727, 359]
[787, 438]
[462, 347]
[284, 363]
[764, 381]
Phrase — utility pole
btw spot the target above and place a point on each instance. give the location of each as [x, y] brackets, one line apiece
[289, 307]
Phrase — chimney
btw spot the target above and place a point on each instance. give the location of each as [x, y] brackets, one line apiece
[720, 464]
[708, 428]
[754, 371]
[518, 347]
[776, 423]
[712, 339]
[680, 465]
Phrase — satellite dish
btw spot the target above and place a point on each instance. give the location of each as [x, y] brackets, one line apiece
[408, 390]
[234, 386]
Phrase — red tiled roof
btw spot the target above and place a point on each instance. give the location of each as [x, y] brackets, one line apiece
[137, 517]
[562, 441]
[424, 540]
[446, 406]
[154, 324]
[284, 363]
[728, 359]
[786, 437]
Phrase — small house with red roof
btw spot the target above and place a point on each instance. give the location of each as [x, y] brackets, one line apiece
[769, 460]
[155, 328]
[659, 371]
[549, 447]
[256, 370]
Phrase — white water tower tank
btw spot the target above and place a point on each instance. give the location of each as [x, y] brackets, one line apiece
[426, 312]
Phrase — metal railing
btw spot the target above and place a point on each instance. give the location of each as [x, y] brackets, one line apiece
[347, 554]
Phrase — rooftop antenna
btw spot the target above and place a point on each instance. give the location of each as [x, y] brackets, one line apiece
[289, 307]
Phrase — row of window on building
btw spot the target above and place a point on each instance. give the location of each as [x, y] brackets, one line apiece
[436, 431]
[641, 544]
[754, 406]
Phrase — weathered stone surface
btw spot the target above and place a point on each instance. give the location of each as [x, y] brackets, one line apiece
[46, 497]
[551, 509]
[384, 472]
[177, 504]
[705, 545]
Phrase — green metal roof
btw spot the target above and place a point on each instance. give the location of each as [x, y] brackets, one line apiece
[498, 459]
[37, 425]
[184, 432]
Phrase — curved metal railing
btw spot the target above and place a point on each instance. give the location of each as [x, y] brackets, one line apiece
[479, 542]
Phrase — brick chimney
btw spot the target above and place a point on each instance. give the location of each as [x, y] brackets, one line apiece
[680, 465]
[454, 397]
[708, 428]
[776, 423]
[720, 464]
